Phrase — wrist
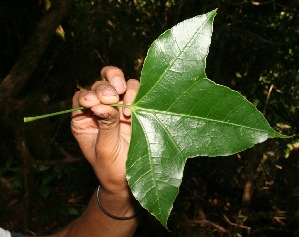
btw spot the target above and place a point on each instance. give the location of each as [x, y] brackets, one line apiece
[119, 205]
[115, 188]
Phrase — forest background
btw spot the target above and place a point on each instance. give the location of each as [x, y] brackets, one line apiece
[51, 48]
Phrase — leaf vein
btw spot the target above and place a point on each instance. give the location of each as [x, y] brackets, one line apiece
[151, 165]
[171, 63]
[198, 117]
[169, 135]
[182, 95]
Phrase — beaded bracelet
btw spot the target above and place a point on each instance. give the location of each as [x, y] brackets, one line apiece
[111, 215]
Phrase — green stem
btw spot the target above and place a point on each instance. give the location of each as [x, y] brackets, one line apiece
[30, 119]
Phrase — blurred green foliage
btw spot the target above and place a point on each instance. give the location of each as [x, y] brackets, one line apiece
[254, 50]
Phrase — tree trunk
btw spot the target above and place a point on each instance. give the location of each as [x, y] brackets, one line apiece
[34, 49]
[12, 109]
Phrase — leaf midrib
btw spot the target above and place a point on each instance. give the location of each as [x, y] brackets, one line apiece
[151, 164]
[171, 64]
[155, 111]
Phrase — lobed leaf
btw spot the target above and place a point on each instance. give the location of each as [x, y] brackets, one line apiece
[179, 113]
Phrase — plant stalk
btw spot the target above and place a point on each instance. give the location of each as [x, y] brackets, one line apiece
[30, 119]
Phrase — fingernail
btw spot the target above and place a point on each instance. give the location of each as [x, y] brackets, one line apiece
[118, 83]
[127, 112]
[104, 116]
[108, 92]
[90, 97]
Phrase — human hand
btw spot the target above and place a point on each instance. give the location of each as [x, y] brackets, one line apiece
[102, 131]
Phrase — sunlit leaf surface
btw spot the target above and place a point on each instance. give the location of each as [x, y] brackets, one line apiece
[179, 113]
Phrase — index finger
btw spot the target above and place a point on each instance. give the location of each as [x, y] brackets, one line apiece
[116, 78]
[133, 86]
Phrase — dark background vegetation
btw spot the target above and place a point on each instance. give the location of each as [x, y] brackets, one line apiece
[50, 48]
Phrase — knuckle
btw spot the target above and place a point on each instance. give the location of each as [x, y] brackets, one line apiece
[108, 123]
[99, 84]
[109, 72]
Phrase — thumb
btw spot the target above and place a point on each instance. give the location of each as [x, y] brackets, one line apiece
[107, 143]
[109, 161]
[107, 118]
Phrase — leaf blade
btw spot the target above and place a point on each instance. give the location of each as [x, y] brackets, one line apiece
[178, 113]
[155, 174]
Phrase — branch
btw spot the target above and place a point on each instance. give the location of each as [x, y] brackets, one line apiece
[268, 98]
[210, 223]
[203, 221]
[34, 49]
[236, 224]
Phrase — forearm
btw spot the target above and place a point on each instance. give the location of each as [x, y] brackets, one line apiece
[94, 222]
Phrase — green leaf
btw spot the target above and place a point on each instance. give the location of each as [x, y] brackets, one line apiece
[178, 113]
